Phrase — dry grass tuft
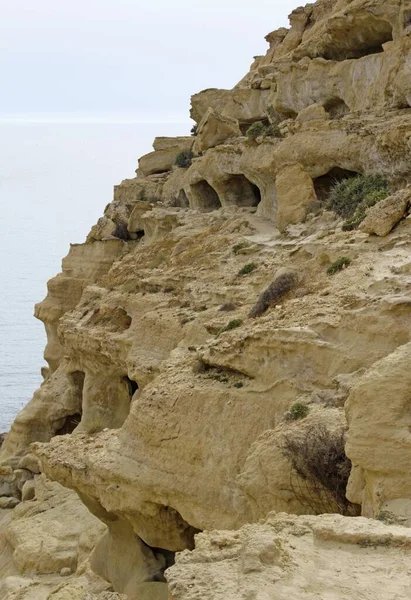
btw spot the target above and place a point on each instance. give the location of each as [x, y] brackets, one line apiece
[318, 457]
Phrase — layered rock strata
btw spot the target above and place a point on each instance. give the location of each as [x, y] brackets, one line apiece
[175, 362]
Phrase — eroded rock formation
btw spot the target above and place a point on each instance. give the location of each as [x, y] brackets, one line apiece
[172, 392]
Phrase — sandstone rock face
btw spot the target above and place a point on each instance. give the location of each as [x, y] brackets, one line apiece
[295, 193]
[169, 408]
[43, 537]
[214, 129]
[378, 440]
[286, 555]
[164, 155]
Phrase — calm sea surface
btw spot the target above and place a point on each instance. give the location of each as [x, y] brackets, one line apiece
[55, 180]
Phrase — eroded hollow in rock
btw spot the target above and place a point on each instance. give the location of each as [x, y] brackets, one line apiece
[359, 38]
[76, 385]
[112, 318]
[245, 125]
[205, 197]
[138, 235]
[76, 382]
[132, 386]
[239, 191]
[325, 183]
[336, 108]
[70, 424]
[181, 201]
[164, 558]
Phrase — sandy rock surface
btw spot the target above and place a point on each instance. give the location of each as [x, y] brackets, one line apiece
[218, 315]
[305, 557]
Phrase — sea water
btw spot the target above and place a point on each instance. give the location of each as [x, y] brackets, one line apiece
[55, 180]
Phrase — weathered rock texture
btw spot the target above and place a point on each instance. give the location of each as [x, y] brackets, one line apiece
[328, 556]
[166, 406]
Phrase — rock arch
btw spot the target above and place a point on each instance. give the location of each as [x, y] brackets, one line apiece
[237, 190]
[204, 197]
[336, 108]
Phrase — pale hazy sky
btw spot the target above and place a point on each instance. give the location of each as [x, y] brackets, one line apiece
[127, 57]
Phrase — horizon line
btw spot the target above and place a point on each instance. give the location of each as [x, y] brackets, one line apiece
[109, 118]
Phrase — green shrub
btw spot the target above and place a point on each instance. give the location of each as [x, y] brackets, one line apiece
[256, 130]
[338, 265]
[298, 411]
[240, 246]
[184, 158]
[231, 325]
[248, 268]
[273, 130]
[360, 212]
[275, 292]
[350, 198]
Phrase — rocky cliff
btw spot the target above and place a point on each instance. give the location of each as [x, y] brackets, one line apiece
[233, 341]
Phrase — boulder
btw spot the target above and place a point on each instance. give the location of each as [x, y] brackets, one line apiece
[214, 129]
[164, 155]
[29, 491]
[9, 502]
[384, 216]
[295, 193]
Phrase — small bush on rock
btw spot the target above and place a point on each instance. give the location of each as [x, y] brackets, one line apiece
[193, 130]
[121, 231]
[350, 198]
[273, 130]
[231, 325]
[248, 268]
[298, 411]
[142, 197]
[275, 292]
[339, 265]
[256, 130]
[184, 158]
[318, 457]
[240, 246]
[361, 210]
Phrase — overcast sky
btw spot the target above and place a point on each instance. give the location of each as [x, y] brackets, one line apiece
[127, 57]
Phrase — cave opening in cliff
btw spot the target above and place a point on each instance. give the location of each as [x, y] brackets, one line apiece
[76, 385]
[132, 386]
[336, 108]
[69, 425]
[164, 559]
[359, 38]
[240, 191]
[324, 184]
[205, 197]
